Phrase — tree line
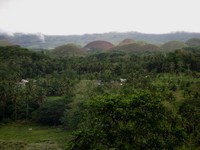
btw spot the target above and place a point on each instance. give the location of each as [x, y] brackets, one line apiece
[156, 107]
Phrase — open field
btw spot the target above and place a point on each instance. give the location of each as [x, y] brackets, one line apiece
[28, 136]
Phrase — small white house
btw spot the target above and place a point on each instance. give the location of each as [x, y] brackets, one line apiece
[122, 80]
[23, 82]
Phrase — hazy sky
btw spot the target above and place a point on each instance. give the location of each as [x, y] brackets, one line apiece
[98, 16]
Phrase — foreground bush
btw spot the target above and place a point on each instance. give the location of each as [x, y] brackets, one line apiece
[136, 121]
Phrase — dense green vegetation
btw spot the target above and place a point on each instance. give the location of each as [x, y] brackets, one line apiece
[123, 99]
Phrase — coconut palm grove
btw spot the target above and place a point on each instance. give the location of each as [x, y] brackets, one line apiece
[100, 95]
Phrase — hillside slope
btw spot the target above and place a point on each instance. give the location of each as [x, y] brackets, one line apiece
[99, 45]
[172, 45]
[136, 47]
[68, 50]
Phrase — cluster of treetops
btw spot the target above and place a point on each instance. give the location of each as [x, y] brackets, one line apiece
[113, 99]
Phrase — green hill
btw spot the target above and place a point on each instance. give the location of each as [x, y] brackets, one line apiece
[136, 47]
[173, 45]
[150, 47]
[194, 42]
[5, 43]
[68, 50]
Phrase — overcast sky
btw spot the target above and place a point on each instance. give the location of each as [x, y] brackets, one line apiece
[99, 16]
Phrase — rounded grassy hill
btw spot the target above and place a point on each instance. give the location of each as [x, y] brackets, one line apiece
[136, 47]
[173, 45]
[194, 42]
[68, 50]
[99, 45]
[5, 43]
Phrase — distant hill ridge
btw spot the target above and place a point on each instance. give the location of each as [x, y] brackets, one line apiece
[51, 41]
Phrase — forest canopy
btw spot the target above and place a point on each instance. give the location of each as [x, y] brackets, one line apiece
[110, 100]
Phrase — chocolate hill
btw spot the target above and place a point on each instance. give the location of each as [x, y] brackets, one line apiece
[173, 45]
[131, 41]
[68, 50]
[99, 45]
[126, 41]
[5, 43]
[136, 47]
[193, 42]
[52, 41]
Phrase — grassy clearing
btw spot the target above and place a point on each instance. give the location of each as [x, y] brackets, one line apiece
[30, 136]
[54, 98]
[179, 98]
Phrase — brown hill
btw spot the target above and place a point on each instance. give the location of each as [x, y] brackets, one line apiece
[126, 41]
[131, 41]
[99, 45]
